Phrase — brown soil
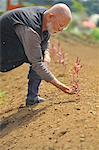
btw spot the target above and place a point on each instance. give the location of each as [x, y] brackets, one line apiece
[60, 123]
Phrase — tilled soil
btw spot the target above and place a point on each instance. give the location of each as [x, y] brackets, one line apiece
[62, 122]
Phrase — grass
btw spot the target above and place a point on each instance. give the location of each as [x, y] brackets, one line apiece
[83, 38]
[2, 97]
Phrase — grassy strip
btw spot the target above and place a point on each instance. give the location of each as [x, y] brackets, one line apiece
[2, 97]
[84, 39]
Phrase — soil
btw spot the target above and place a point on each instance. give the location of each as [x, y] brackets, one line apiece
[62, 122]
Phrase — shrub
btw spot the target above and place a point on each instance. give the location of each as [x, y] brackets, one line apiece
[95, 34]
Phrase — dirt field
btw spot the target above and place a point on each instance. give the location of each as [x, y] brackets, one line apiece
[60, 123]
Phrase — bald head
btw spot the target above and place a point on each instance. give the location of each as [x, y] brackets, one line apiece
[61, 9]
[57, 18]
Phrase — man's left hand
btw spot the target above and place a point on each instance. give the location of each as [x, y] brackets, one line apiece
[47, 58]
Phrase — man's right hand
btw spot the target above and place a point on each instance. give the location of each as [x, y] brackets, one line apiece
[63, 87]
[70, 90]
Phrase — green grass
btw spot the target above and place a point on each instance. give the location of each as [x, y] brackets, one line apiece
[2, 97]
[1, 12]
[95, 34]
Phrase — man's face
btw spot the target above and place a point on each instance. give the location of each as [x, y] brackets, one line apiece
[57, 24]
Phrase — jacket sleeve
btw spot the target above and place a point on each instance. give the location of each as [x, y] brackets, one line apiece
[32, 46]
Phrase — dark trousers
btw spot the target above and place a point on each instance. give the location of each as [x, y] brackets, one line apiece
[33, 85]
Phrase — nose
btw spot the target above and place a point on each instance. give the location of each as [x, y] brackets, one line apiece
[60, 29]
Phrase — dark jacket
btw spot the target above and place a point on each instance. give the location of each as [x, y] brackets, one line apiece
[12, 52]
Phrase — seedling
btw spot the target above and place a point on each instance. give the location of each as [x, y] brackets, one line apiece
[75, 73]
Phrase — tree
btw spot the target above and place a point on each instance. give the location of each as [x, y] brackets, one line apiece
[78, 7]
[92, 6]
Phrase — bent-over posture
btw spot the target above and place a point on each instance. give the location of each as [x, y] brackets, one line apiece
[25, 34]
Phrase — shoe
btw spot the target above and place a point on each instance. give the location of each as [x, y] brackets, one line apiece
[35, 100]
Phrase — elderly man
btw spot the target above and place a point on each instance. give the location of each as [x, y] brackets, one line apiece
[25, 34]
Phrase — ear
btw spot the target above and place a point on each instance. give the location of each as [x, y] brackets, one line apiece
[50, 17]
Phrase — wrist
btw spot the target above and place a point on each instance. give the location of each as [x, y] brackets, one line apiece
[57, 83]
[46, 53]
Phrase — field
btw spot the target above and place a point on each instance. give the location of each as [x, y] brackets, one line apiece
[63, 122]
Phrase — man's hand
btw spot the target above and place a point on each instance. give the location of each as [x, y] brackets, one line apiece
[68, 89]
[63, 87]
[71, 90]
[47, 58]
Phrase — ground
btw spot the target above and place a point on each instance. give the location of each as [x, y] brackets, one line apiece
[63, 122]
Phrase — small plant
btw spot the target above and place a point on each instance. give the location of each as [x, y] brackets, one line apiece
[75, 72]
[58, 55]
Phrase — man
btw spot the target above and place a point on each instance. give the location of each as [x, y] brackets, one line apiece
[25, 34]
